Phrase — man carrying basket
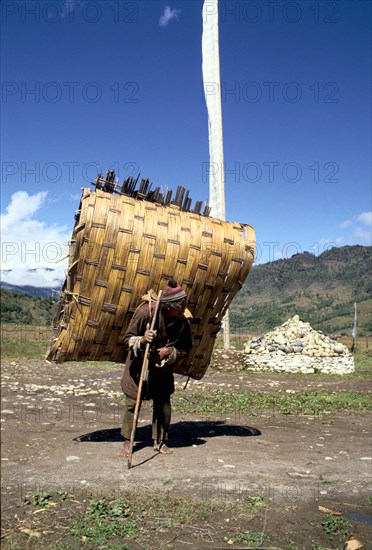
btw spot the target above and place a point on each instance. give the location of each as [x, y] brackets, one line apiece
[168, 339]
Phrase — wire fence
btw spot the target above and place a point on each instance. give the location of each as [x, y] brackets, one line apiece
[11, 331]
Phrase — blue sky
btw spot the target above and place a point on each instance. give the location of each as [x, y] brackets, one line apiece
[90, 85]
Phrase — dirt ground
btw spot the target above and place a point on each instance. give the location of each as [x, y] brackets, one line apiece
[61, 432]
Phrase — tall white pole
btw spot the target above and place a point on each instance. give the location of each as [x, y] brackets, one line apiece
[212, 93]
[354, 331]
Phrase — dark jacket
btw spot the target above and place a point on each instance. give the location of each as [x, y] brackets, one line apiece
[175, 333]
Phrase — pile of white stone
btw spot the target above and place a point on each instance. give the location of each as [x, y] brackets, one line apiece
[296, 347]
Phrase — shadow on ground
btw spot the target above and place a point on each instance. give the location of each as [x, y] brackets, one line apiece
[183, 434]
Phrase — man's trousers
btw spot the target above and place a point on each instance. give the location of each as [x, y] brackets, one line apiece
[161, 417]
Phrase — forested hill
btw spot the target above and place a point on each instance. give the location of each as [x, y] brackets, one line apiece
[321, 289]
[23, 309]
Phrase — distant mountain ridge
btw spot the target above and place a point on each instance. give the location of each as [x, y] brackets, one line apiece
[321, 289]
[44, 291]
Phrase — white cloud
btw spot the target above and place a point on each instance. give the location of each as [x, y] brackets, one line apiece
[363, 234]
[365, 218]
[32, 252]
[22, 207]
[346, 224]
[168, 15]
[357, 230]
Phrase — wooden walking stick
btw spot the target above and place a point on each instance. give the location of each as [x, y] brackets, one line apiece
[144, 369]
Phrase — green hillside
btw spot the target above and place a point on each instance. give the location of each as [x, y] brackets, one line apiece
[321, 289]
[20, 308]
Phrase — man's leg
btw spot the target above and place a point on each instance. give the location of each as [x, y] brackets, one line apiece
[127, 424]
[161, 419]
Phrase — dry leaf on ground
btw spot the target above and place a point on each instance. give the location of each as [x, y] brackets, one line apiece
[328, 511]
[353, 544]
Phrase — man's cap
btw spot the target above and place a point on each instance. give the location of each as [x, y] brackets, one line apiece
[173, 292]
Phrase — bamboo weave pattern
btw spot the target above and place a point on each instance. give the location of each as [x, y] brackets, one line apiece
[120, 248]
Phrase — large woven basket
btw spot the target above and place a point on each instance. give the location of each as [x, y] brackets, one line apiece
[120, 248]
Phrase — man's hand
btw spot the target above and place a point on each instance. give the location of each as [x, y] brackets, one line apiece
[164, 353]
[148, 337]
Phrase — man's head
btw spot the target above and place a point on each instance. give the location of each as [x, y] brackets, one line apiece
[173, 299]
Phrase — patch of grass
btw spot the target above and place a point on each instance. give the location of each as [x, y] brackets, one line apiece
[237, 343]
[63, 495]
[206, 509]
[363, 363]
[247, 404]
[182, 513]
[336, 526]
[255, 501]
[141, 518]
[95, 531]
[211, 506]
[101, 508]
[253, 540]
[104, 522]
[176, 509]
[40, 498]
[26, 349]
[161, 524]
[37, 349]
